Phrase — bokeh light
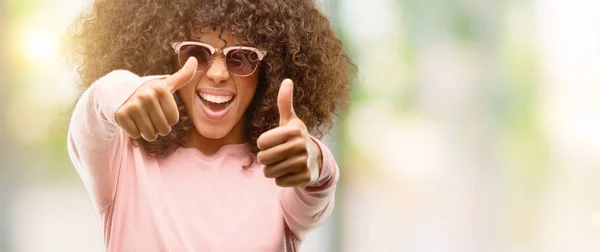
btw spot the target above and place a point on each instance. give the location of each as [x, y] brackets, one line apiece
[39, 46]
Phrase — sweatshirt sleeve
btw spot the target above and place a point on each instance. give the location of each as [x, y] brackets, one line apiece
[95, 142]
[307, 208]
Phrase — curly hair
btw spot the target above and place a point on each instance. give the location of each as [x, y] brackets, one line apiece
[301, 45]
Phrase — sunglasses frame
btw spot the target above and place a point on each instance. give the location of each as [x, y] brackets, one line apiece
[178, 45]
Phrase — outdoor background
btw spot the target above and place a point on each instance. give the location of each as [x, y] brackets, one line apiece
[474, 126]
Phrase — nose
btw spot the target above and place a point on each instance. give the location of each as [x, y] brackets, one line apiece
[217, 71]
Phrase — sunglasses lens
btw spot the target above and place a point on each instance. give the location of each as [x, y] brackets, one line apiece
[201, 53]
[241, 61]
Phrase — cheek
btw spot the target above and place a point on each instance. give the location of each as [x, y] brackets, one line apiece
[248, 92]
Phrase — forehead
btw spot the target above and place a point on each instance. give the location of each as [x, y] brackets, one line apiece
[215, 37]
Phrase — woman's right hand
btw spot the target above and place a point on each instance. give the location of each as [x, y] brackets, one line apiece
[151, 109]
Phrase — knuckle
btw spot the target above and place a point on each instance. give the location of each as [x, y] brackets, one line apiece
[301, 160]
[172, 121]
[299, 144]
[279, 182]
[306, 176]
[163, 132]
[159, 89]
[163, 127]
[147, 95]
[133, 108]
[295, 131]
[304, 157]
[260, 142]
[134, 105]
[121, 114]
[171, 113]
[132, 134]
[259, 157]
[172, 116]
[150, 138]
[267, 173]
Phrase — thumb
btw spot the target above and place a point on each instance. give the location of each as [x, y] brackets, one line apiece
[285, 101]
[183, 76]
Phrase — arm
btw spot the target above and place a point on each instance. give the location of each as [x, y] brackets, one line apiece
[301, 164]
[305, 208]
[95, 142]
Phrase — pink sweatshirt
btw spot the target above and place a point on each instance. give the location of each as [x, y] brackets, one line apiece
[188, 201]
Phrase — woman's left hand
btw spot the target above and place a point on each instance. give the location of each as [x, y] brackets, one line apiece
[288, 153]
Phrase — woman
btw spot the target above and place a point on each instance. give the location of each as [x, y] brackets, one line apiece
[222, 153]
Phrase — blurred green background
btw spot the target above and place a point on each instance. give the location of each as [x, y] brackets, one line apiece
[474, 126]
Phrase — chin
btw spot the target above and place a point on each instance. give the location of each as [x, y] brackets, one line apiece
[213, 131]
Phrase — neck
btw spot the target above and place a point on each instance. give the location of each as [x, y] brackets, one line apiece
[210, 146]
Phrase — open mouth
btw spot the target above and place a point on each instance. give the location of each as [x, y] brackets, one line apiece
[216, 103]
[215, 106]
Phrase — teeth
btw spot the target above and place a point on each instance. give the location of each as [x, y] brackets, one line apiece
[216, 98]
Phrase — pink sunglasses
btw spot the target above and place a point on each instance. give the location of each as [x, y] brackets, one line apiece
[239, 60]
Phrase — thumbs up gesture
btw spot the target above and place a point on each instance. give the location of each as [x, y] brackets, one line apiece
[151, 109]
[288, 153]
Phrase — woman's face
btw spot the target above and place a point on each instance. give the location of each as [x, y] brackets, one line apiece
[215, 99]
